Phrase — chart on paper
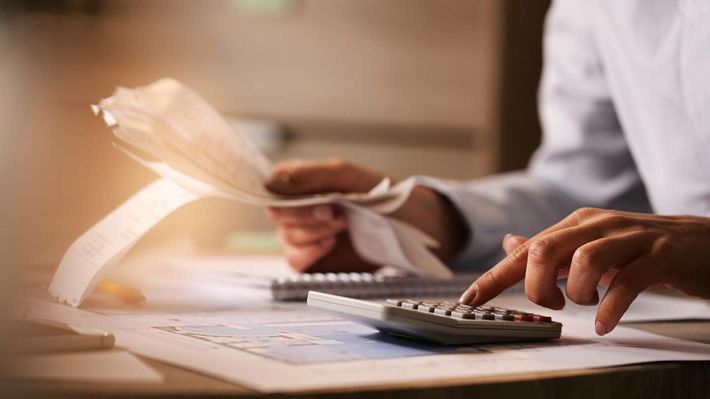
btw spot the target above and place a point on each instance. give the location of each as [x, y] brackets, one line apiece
[310, 342]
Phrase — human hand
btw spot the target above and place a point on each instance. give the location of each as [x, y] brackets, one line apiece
[628, 251]
[315, 237]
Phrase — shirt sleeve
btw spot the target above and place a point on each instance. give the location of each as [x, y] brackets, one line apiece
[583, 160]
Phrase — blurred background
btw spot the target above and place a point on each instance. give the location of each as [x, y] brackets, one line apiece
[443, 88]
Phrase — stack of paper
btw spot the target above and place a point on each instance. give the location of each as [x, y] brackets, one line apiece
[288, 347]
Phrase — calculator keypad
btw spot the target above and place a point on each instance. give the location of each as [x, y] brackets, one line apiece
[467, 312]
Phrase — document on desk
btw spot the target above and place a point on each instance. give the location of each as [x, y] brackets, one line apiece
[289, 347]
[171, 130]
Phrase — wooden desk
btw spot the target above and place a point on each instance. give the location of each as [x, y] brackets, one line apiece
[655, 380]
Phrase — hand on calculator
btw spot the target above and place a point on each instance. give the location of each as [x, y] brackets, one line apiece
[627, 251]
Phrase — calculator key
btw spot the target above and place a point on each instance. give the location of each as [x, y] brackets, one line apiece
[462, 315]
[502, 310]
[485, 315]
[443, 311]
[461, 311]
[524, 317]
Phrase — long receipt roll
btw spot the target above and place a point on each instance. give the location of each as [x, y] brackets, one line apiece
[200, 155]
[92, 255]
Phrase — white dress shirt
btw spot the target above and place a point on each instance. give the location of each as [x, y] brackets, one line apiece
[625, 109]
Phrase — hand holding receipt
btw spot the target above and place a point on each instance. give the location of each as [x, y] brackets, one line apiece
[199, 155]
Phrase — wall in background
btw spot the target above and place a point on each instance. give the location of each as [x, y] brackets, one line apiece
[520, 130]
[403, 78]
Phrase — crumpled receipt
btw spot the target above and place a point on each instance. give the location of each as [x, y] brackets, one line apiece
[173, 131]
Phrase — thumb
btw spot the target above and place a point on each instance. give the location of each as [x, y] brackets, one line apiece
[298, 177]
[512, 241]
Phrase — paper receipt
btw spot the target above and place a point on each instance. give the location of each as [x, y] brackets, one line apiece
[198, 154]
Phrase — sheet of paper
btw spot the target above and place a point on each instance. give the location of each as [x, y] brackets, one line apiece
[202, 281]
[262, 266]
[289, 347]
[189, 138]
[174, 132]
[113, 366]
[647, 307]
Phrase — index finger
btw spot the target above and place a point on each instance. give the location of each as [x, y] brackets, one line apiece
[506, 273]
[511, 269]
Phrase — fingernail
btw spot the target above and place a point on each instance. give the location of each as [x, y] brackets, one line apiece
[505, 239]
[469, 294]
[600, 328]
[323, 213]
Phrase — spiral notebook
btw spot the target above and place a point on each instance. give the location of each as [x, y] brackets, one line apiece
[270, 277]
[358, 285]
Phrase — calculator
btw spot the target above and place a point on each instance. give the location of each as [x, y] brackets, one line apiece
[446, 323]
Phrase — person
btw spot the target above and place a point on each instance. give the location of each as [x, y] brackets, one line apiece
[618, 192]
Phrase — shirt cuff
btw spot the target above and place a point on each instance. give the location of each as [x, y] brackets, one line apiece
[484, 219]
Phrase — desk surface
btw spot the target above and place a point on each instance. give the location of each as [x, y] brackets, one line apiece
[661, 380]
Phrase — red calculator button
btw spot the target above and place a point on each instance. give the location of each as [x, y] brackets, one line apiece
[524, 317]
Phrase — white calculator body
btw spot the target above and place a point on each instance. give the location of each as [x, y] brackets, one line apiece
[447, 323]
